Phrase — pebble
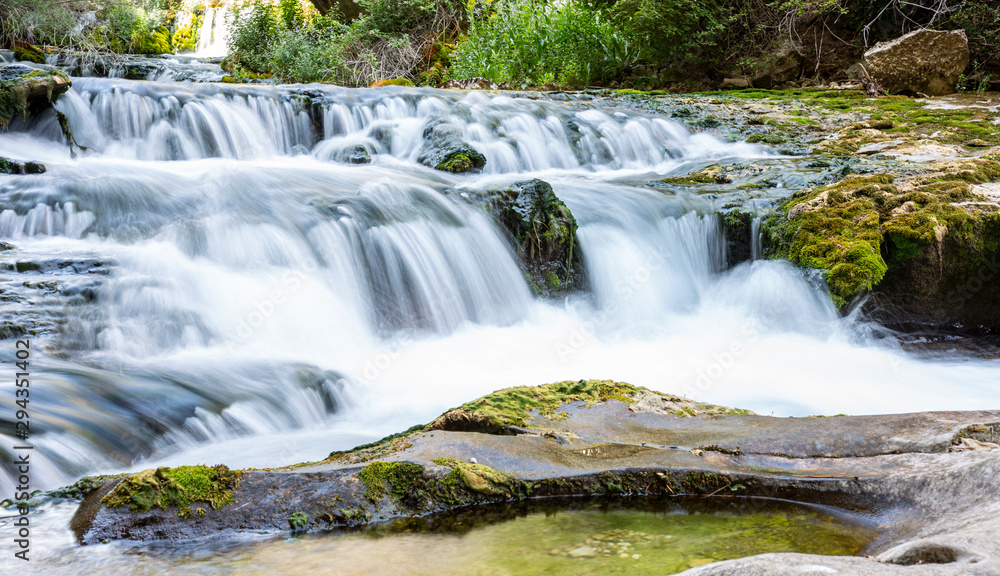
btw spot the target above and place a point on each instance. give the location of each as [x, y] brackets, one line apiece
[582, 552]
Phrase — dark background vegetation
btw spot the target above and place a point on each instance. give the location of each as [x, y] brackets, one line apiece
[645, 44]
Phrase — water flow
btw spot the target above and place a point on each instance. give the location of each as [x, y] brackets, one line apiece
[213, 34]
[212, 280]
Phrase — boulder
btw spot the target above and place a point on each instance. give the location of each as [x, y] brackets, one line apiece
[8, 166]
[28, 52]
[545, 232]
[926, 62]
[783, 66]
[24, 90]
[912, 475]
[445, 150]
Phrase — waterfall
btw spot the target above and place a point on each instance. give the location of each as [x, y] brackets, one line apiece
[756, 252]
[214, 280]
[213, 34]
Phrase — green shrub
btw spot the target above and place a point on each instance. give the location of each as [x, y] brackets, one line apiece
[537, 42]
[253, 34]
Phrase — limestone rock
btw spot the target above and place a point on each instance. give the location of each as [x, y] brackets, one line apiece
[444, 149]
[28, 52]
[23, 89]
[545, 232]
[784, 66]
[922, 62]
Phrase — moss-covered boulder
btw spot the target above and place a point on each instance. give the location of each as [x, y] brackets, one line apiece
[182, 488]
[929, 246]
[28, 53]
[444, 149]
[9, 166]
[545, 232]
[24, 90]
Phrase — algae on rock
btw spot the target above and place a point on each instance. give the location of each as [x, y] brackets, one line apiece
[179, 487]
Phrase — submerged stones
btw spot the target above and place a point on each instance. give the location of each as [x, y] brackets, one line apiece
[25, 90]
[927, 62]
[544, 230]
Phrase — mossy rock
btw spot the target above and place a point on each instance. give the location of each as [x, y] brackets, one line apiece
[179, 488]
[444, 150]
[8, 166]
[28, 53]
[545, 232]
[509, 407]
[24, 91]
[927, 239]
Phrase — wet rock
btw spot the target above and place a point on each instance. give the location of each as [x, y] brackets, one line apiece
[28, 52]
[937, 507]
[24, 90]
[926, 62]
[8, 166]
[544, 230]
[444, 149]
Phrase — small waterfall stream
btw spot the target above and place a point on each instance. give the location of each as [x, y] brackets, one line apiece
[213, 280]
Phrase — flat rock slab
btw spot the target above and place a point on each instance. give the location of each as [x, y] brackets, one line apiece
[931, 480]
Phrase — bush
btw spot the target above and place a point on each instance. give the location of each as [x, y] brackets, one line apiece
[536, 42]
[252, 35]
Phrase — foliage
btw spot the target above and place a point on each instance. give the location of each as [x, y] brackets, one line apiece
[674, 31]
[537, 42]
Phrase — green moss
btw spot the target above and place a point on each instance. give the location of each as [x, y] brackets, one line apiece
[298, 521]
[394, 479]
[842, 236]
[455, 164]
[509, 407]
[185, 38]
[179, 487]
[28, 53]
[476, 478]
[762, 138]
[83, 487]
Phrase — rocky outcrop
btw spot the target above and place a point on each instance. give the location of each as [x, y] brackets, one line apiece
[926, 247]
[544, 230]
[784, 64]
[929, 480]
[9, 166]
[25, 90]
[28, 52]
[445, 150]
[922, 62]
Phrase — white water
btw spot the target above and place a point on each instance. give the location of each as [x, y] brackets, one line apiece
[213, 34]
[266, 304]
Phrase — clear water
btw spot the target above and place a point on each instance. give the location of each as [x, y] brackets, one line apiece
[572, 538]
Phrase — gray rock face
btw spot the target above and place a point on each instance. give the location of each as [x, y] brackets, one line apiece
[911, 473]
[925, 62]
[784, 66]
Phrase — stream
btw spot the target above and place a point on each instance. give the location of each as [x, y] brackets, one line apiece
[214, 281]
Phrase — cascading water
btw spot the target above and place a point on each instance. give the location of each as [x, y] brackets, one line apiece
[213, 34]
[212, 280]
